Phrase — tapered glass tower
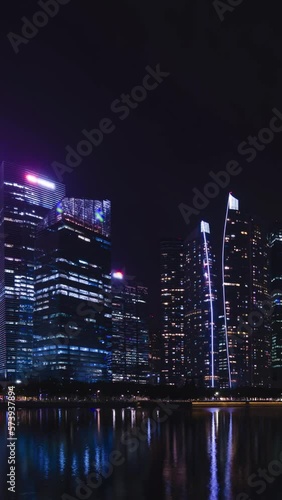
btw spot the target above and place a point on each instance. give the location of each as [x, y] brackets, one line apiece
[200, 309]
[244, 344]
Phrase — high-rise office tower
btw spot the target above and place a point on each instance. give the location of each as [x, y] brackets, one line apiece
[172, 312]
[244, 345]
[259, 320]
[200, 309]
[25, 198]
[130, 331]
[275, 242]
[155, 342]
[72, 337]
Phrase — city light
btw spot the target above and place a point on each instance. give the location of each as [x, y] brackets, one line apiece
[233, 203]
[118, 275]
[33, 179]
[99, 216]
[205, 227]
[208, 276]
[60, 208]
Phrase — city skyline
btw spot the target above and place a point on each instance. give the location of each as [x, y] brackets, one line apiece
[203, 342]
[141, 250]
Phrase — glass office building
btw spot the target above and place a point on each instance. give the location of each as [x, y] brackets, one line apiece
[26, 196]
[245, 339]
[200, 309]
[72, 334]
[173, 370]
[130, 330]
[275, 242]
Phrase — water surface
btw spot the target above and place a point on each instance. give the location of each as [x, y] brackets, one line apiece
[207, 454]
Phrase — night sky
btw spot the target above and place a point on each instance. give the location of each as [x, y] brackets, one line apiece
[225, 79]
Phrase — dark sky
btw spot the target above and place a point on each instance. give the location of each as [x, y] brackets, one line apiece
[225, 79]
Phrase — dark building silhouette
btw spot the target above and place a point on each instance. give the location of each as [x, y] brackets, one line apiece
[155, 342]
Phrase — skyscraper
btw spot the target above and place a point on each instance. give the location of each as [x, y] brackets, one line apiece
[130, 330]
[259, 319]
[275, 242]
[72, 337]
[155, 342]
[200, 311]
[25, 198]
[244, 345]
[172, 312]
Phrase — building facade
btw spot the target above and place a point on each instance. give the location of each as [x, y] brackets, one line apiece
[245, 337]
[172, 262]
[275, 243]
[155, 359]
[72, 331]
[25, 198]
[200, 309]
[130, 330]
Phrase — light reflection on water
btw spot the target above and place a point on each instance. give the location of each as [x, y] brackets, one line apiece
[213, 448]
[114, 418]
[204, 454]
[86, 461]
[229, 460]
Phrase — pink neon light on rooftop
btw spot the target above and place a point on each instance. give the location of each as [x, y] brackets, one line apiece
[31, 178]
[40, 182]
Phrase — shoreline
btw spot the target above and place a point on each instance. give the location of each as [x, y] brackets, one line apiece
[140, 404]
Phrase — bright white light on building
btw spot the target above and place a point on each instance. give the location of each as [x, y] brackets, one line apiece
[40, 182]
[205, 227]
[118, 275]
[233, 203]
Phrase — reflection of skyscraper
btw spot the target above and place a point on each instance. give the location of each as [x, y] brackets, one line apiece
[130, 330]
[73, 286]
[276, 297]
[25, 198]
[200, 314]
[244, 346]
[172, 312]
